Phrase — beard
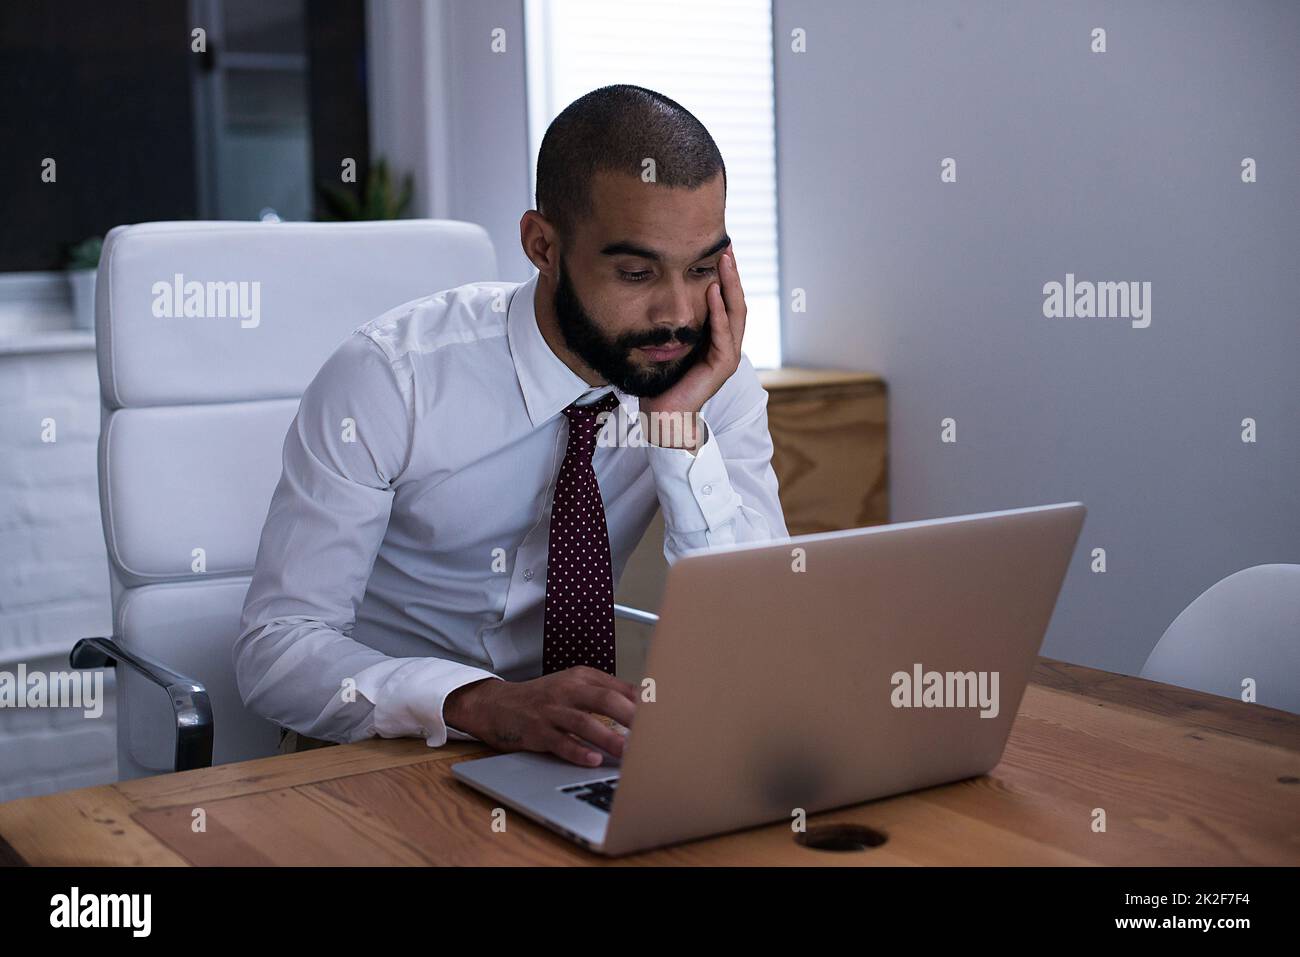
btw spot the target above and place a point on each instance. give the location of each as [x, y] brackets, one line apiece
[611, 358]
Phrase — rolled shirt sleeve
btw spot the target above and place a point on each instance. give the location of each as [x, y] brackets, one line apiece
[295, 662]
[726, 492]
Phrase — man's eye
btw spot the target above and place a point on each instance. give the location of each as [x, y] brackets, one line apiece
[634, 276]
[707, 270]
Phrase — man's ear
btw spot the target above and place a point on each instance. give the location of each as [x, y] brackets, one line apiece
[540, 243]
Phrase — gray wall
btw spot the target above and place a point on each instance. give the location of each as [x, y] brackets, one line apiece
[1113, 166]
[453, 113]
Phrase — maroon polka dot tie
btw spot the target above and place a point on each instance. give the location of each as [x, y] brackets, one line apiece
[578, 627]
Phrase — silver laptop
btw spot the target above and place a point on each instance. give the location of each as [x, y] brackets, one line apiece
[812, 673]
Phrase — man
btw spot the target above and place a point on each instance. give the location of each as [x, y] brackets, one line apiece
[457, 502]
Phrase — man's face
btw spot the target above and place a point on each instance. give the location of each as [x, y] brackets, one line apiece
[635, 277]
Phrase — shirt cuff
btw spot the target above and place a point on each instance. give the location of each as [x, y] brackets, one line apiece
[695, 492]
[409, 701]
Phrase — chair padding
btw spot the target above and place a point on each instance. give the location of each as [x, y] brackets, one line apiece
[316, 283]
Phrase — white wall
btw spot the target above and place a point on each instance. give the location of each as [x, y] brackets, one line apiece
[53, 565]
[1116, 166]
[447, 108]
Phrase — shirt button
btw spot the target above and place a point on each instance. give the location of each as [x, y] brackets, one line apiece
[528, 574]
[707, 489]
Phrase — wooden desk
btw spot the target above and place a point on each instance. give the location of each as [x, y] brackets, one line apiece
[1185, 779]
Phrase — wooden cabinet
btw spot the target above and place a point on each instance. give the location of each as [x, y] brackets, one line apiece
[830, 445]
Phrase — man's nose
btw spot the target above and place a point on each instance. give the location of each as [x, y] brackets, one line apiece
[676, 308]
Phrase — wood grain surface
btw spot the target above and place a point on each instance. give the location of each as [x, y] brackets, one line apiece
[1184, 778]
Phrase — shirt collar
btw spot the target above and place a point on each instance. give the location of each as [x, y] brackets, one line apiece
[549, 386]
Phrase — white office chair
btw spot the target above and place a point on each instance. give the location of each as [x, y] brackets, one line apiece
[1246, 626]
[193, 417]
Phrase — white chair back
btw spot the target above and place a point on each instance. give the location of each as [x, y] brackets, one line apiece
[1244, 627]
[207, 335]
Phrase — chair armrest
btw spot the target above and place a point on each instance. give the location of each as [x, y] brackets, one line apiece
[189, 698]
[635, 614]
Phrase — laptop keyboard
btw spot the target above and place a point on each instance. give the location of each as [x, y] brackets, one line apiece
[599, 794]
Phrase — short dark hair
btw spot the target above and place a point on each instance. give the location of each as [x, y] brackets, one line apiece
[615, 128]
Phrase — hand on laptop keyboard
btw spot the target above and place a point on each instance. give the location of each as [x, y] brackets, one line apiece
[552, 713]
[614, 726]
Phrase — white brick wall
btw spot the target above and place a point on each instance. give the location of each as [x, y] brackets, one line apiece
[53, 566]
[43, 750]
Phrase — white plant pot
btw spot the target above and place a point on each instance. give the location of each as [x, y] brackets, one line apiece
[82, 282]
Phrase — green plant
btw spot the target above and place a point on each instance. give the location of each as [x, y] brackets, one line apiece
[85, 255]
[379, 198]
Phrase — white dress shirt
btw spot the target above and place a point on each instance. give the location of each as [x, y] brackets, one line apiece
[404, 551]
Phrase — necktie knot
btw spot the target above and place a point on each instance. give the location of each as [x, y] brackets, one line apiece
[584, 425]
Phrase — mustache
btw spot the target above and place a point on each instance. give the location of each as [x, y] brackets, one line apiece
[685, 336]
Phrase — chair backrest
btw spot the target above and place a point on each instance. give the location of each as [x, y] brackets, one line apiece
[1246, 626]
[207, 334]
